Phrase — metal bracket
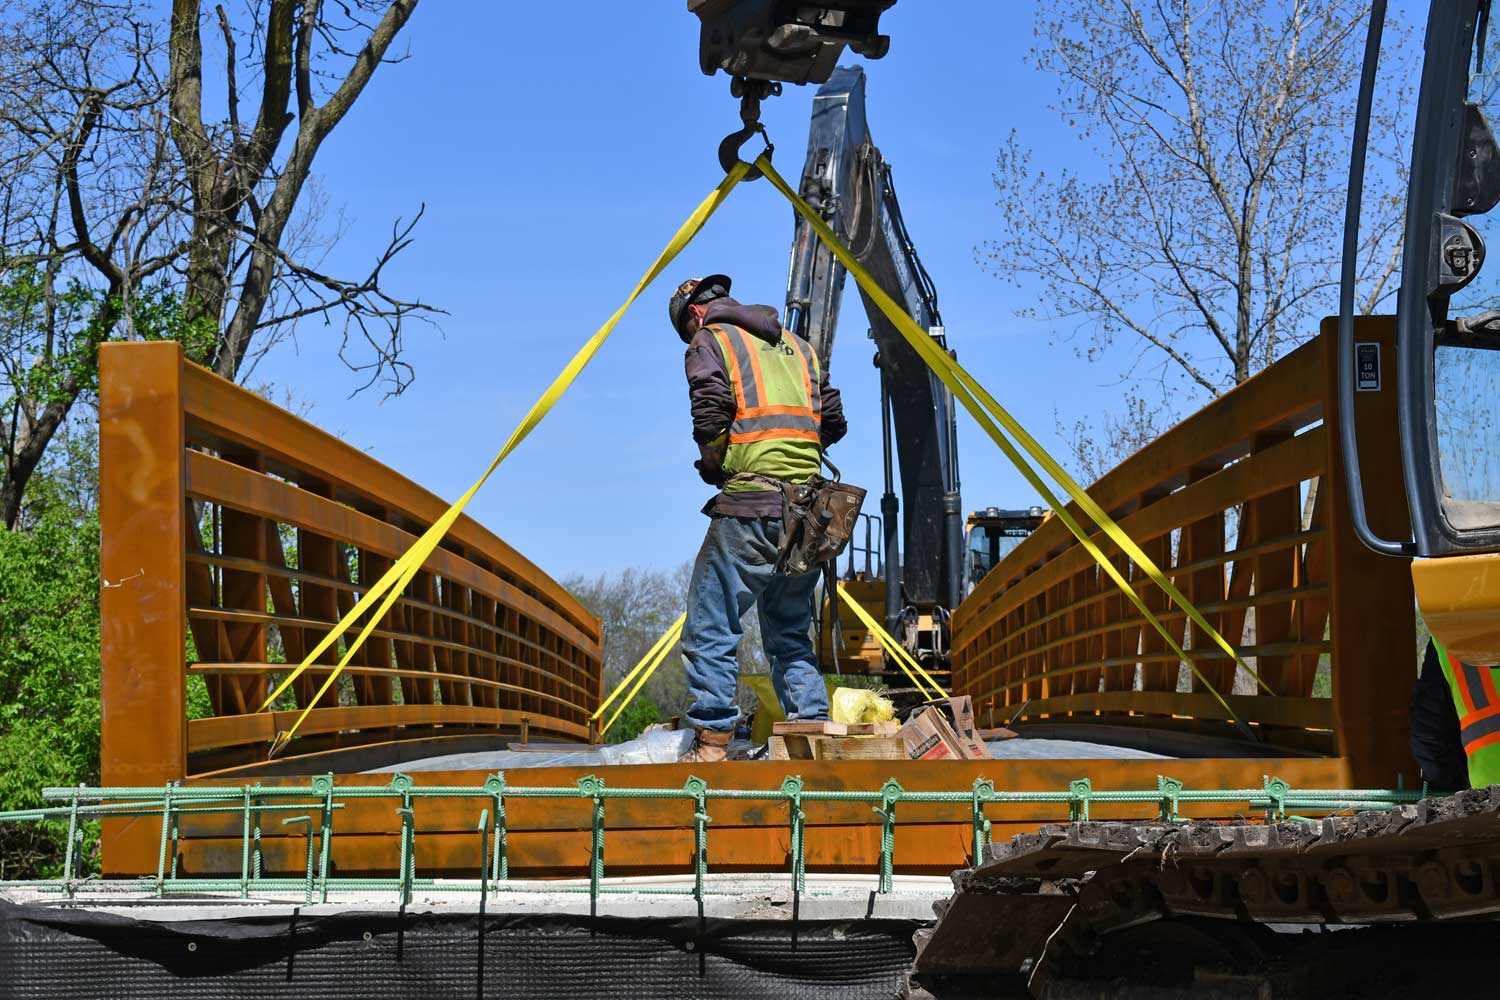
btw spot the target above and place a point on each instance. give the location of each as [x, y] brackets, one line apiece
[984, 792]
[1170, 790]
[1080, 792]
[1277, 791]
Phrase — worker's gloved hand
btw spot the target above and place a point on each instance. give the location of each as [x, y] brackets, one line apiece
[710, 475]
[711, 466]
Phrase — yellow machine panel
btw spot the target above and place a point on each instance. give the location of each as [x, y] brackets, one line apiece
[1460, 601]
[859, 653]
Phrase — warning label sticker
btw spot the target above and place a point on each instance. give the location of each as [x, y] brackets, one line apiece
[1367, 367]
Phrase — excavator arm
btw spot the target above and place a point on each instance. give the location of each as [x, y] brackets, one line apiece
[848, 181]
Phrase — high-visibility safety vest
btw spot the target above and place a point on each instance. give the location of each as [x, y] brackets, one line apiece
[1478, 703]
[778, 407]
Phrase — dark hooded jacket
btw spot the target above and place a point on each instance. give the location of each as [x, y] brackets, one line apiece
[711, 397]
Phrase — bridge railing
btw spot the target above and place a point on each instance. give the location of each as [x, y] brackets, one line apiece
[1221, 503]
[234, 534]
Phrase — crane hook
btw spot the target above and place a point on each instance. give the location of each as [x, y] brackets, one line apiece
[750, 93]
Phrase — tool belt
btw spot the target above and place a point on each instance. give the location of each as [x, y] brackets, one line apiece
[817, 519]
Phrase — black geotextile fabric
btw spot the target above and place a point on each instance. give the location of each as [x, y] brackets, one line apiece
[71, 953]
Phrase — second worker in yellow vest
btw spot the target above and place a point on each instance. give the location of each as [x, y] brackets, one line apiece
[762, 409]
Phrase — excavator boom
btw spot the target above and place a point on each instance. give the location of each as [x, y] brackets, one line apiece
[847, 180]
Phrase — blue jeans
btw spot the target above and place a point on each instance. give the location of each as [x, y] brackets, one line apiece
[733, 572]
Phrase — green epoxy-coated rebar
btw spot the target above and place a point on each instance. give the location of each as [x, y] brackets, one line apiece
[593, 787]
[983, 792]
[173, 801]
[166, 826]
[697, 786]
[890, 794]
[791, 789]
[500, 864]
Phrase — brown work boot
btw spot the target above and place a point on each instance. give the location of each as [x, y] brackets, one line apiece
[709, 747]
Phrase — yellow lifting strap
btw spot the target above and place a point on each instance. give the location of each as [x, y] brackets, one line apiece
[892, 648]
[388, 589]
[647, 667]
[653, 659]
[967, 390]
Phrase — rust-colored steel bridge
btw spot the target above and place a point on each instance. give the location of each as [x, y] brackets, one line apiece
[235, 535]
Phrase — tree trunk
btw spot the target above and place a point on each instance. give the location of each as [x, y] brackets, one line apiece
[208, 265]
[32, 439]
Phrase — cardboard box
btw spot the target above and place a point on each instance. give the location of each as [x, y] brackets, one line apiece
[970, 743]
[928, 736]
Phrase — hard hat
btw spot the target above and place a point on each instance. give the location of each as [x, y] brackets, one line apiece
[694, 292]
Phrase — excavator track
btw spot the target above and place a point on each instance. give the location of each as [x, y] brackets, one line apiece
[1218, 892]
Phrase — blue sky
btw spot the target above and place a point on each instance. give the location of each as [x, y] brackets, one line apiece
[556, 151]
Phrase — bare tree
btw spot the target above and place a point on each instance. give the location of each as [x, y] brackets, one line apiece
[1210, 242]
[1118, 435]
[125, 214]
[243, 199]
[635, 606]
[86, 225]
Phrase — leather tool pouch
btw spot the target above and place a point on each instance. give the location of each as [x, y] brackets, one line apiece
[817, 521]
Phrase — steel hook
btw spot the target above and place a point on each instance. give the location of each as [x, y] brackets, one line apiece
[750, 93]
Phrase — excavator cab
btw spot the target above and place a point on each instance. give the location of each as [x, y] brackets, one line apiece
[992, 534]
[1447, 340]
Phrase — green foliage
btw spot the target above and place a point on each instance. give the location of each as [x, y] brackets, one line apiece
[71, 351]
[49, 667]
[84, 318]
[639, 714]
[198, 704]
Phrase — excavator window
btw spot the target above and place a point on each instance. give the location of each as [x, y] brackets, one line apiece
[1466, 355]
[993, 535]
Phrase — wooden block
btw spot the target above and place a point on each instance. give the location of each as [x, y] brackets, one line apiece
[791, 747]
[810, 729]
[887, 728]
[803, 746]
[857, 748]
[990, 735]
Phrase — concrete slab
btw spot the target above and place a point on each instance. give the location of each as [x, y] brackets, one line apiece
[742, 897]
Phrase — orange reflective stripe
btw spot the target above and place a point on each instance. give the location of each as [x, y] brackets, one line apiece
[1488, 739]
[775, 434]
[1469, 718]
[736, 381]
[778, 411]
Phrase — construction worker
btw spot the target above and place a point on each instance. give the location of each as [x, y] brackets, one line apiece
[1455, 722]
[763, 412]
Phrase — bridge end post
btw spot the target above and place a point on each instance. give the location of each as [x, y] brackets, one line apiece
[143, 615]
